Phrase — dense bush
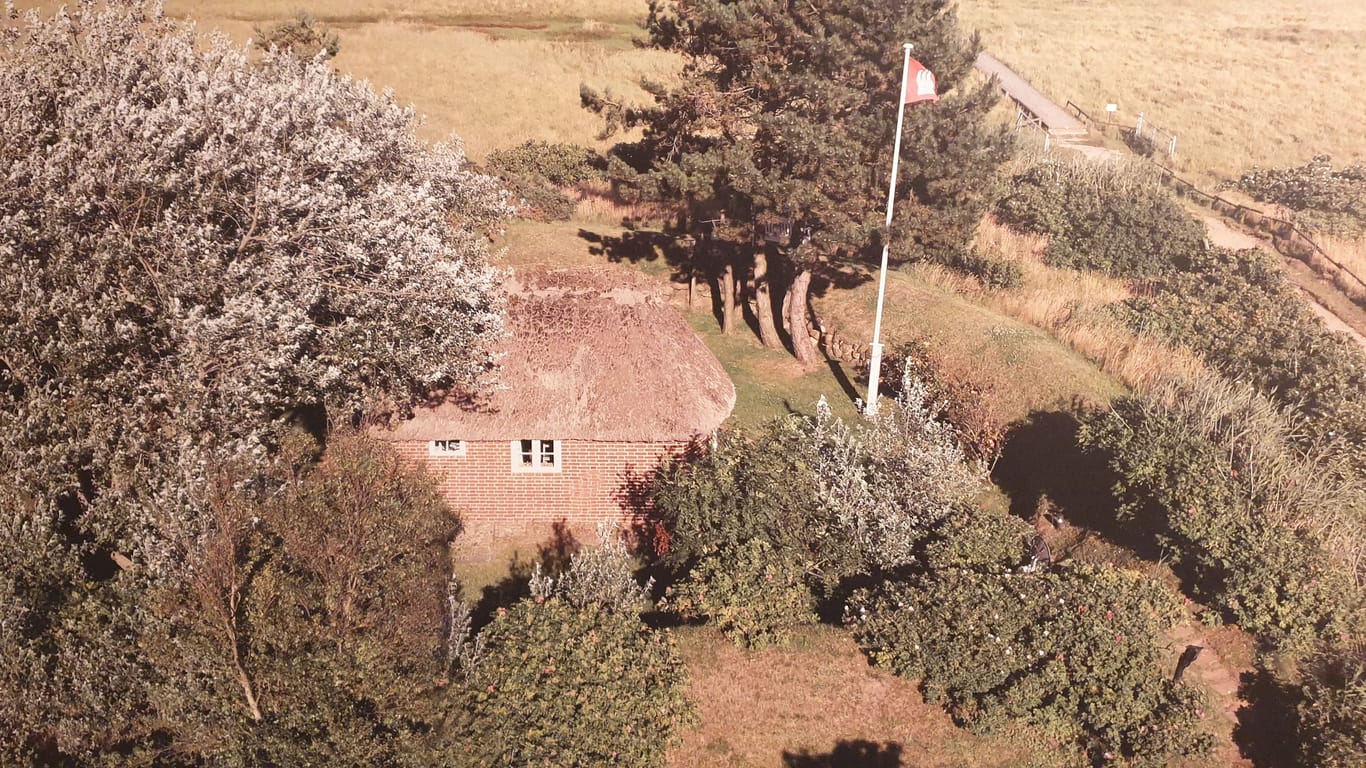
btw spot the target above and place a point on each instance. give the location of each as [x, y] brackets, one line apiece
[1263, 532]
[603, 575]
[1332, 708]
[538, 173]
[810, 501]
[563, 685]
[1111, 218]
[958, 397]
[1324, 200]
[991, 271]
[1238, 312]
[302, 36]
[752, 593]
[1073, 651]
[563, 165]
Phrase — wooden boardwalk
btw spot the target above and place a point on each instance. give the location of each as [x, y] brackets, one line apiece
[1058, 121]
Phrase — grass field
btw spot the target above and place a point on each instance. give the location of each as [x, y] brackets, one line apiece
[495, 72]
[1024, 366]
[1240, 82]
[1261, 82]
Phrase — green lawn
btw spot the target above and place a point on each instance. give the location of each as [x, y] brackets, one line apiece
[1025, 367]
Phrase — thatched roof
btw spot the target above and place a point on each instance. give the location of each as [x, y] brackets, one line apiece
[593, 354]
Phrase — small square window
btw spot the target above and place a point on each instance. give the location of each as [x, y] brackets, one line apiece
[446, 448]
[535, 455]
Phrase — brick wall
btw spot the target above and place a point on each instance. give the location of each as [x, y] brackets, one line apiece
[596, 480]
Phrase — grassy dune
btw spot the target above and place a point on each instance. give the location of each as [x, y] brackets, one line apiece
[1241, 82]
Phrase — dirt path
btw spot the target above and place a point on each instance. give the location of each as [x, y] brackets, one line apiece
[1316, 293]
[1225, 654]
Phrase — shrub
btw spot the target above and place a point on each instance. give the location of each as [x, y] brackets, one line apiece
[538, 172]
[1324, 200]
[604, 576]
[302, 36]
[750, 592]
[1238, 312]
[1332, 708]
[959, 398]
[559, 685]
[992, 272]
[539, 201]
[1073, 651]
[1214, 477]
[977, 539]
[809, 501]
[1110, 218]
[563, 165]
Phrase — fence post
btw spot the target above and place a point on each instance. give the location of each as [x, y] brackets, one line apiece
[1047, 140]
[1171, 148]
[1138, 126]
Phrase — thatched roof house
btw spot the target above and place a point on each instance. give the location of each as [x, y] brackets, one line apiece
[600, 380]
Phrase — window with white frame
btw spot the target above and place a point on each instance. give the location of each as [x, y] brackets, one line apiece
[536, 456]
[447, 448]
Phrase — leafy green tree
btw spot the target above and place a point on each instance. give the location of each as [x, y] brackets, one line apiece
[312, 627]
[198, 248]
[787, 110]
[570, 675]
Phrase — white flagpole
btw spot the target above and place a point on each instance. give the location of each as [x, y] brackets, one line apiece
[875, 363]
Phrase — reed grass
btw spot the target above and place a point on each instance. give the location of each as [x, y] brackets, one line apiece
[1349, 252]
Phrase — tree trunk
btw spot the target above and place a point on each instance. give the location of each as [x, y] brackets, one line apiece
[802, 345]
[728, 298]
[763, 301]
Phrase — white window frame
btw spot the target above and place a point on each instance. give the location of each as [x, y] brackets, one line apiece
[519, 452]
[446, 449]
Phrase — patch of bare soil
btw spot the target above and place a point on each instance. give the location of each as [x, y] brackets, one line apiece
[1225, 653]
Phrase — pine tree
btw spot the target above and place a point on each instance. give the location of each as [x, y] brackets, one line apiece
[786, 111]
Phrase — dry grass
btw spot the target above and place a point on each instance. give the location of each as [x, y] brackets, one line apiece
[1241, 82]
[1351, 253]
[495, 72]
[370, 10]
[1069, 304]
[796, 706]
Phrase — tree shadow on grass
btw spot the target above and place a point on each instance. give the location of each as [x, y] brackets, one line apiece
[1041, 459]
[856, 753]
[1267, 726]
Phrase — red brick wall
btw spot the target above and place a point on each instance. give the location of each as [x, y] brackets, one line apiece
[596, 480]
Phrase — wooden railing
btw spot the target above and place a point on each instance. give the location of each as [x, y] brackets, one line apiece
[1287, 239]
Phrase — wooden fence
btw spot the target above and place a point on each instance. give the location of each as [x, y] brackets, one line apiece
[1287, 239]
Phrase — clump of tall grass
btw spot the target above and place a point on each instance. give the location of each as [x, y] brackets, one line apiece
[1071, 305]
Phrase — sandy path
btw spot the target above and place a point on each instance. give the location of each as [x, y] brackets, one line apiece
[1224, 236]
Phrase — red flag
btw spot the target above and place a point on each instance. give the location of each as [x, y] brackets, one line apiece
[917, 83]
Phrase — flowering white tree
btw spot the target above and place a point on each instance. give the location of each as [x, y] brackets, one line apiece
[197, 245]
